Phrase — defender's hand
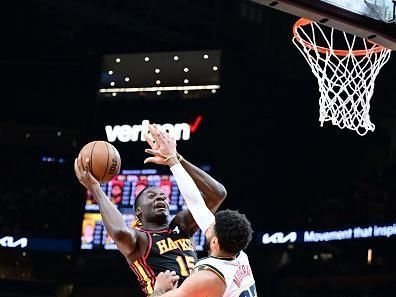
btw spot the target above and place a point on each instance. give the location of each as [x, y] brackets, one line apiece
[166, 281]
[83, 174]
[163, 146]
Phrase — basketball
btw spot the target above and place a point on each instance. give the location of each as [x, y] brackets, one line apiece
[104, 160]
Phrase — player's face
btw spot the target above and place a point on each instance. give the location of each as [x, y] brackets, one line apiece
[154, 207]
[209, 239]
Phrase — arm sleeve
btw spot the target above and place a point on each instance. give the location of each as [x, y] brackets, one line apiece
[195, 203]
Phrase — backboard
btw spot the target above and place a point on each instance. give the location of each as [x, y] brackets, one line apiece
[370, 19]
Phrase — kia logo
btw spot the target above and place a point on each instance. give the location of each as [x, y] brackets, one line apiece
[279, 237]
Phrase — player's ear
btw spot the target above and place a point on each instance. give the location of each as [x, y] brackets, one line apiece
[138, 211]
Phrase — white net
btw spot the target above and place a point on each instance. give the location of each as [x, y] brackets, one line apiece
[346, 77]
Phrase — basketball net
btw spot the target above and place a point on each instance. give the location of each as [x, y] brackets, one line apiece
[346, 77]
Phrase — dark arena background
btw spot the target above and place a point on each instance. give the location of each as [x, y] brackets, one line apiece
[226, 76]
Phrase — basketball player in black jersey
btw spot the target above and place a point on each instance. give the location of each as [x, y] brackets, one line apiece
[158, 244]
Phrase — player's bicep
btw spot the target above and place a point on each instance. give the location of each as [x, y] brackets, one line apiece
[200, 284]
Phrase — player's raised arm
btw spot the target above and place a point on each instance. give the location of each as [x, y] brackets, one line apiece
[212, 191]
[165, 153]
[202, 283]
[125, 238]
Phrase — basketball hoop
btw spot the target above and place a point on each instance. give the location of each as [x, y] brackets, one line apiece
[346, 77]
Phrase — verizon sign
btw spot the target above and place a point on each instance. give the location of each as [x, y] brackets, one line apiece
[9, 241]
[134, 133]
[279, 237]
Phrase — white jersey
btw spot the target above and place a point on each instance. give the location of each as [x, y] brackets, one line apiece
[236, 273]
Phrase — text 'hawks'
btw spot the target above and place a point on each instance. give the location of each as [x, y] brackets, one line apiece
[166, 245]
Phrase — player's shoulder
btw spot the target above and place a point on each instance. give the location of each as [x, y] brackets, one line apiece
[203, 260]
[143, 242]
[210, 274]
[209, 264]
[140, 231]
[221, 263]
[242, 256]
[144, 237]
[206, 282]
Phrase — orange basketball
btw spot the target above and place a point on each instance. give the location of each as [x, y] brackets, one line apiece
[104, 160]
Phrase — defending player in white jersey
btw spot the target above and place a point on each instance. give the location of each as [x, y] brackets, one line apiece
[226, 272]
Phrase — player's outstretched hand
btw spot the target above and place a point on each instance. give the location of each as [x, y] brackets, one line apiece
[163, 146]
[83, 174]
[166, 281]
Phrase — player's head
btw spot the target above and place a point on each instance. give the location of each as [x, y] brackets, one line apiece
[151, 206]
[230, 233]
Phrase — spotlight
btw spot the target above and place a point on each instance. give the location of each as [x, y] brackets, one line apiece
[112, 83]
[158, 82]
[158, 93]
[175, 58]
[186, 81]
[157, 70]
[114, 94]
[215, 68]
[186, 69]
[111, 72]
[147, 59]
[205, 56]
[126, 78]
[118, 60]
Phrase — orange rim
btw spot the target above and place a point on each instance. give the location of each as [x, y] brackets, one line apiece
[304, 22]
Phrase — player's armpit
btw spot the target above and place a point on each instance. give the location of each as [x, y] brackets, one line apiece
[203, 283]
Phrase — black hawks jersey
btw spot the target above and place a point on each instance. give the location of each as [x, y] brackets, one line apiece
[168, 249]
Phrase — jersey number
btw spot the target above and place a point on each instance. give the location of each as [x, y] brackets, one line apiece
[249, 293]
[186, 265]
